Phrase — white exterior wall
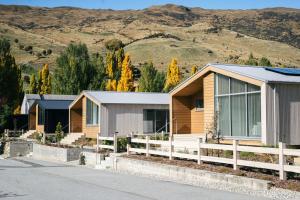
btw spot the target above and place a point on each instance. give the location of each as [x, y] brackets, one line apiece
[124, 118]
[24, 106]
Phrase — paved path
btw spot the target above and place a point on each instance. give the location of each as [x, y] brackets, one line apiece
[39, 180]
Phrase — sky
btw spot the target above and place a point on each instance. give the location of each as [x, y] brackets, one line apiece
[140, 4]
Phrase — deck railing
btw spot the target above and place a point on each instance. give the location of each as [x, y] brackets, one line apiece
[168, 149]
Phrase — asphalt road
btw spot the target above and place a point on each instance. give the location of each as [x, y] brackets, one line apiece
[39, 180]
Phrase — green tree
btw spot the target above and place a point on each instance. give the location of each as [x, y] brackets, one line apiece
[74, 71]
[264, 62]
[11, 91]
[173, 76]
[151, 80]
[251, 60]
[33, 85]
[98, 81]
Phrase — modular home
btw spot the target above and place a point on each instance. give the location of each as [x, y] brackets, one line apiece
[45, 113]
[105, 112]
[259, 105]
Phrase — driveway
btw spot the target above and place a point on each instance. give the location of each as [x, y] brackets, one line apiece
[39, 180]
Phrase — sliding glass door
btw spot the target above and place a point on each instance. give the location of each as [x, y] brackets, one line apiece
[238, 107]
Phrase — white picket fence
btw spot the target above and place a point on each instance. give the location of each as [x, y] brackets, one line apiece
[166, 148]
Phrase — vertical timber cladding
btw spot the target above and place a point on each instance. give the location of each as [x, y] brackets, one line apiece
[32, 120]
[181, 114]
[90, 131]
[76, 120]
[209, 100]
[39, 128]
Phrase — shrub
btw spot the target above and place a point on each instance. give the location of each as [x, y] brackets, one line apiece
[81, 159]
[44, 52]
[16, 40]
[114, 44]
[39, 55]
[26, 79]
[21, 46]
[28, 48]
[59, 134]
[49, 51]
[122, 144]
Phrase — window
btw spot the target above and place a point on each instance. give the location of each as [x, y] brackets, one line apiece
[41, 118]
[238, 107]
[92, 113]
[156, 121]
[199, 104]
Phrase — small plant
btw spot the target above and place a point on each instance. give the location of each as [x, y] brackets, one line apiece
[58, 132]
[16, 40]
[122, 144]
[81, 159]
[38, 136]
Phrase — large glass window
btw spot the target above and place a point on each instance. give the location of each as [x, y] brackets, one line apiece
[238, 107]
[156, 121]
[92, 113]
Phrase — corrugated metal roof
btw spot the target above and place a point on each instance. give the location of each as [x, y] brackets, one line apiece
[259, 73]
[50, 97]
[32, 96]
[54, 104]
[128, 97]
[59, 97]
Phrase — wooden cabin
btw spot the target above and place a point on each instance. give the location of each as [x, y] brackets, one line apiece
[257, 105]
[105, 112]
[44, 115]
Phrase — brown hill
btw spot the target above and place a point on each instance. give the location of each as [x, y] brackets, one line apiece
[158, 33]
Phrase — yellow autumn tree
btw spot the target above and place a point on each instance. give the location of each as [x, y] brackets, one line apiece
[125, 83]
[110, 65]
[173, 75]
[194, 69]
[111, 85]
[46, 80]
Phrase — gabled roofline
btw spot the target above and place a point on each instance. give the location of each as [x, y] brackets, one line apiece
[211, 68]
[84, 93]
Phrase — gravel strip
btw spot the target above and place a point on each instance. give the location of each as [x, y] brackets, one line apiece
[272, 193]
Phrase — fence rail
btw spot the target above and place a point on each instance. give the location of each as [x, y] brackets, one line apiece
[13, 133]
[167, 149]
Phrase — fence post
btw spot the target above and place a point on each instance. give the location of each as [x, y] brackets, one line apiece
[282, 161]
[128, 144]
[44, 138]
[235, 154]
[199, 151]
[115, 143]
[97, 149]
[170, 147]
[147, 145]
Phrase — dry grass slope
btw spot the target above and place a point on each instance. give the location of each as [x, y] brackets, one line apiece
[193, 35]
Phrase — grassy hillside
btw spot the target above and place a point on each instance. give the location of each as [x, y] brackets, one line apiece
[193, 35]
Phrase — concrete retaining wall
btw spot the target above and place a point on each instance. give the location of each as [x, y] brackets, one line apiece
[17, 148]
[55, 153]
[186, 175]
[90, 158]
